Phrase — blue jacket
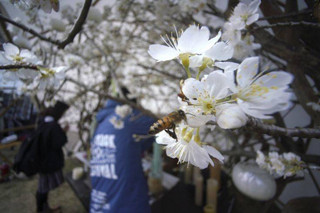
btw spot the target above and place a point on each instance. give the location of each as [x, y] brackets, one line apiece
[118, 182]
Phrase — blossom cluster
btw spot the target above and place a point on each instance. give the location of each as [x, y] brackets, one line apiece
[122, 111]
[235, 29]
[45, 5]
[286, 165]
[31, 72]
[228, 95]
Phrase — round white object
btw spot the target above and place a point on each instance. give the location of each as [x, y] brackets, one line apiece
[253, 181]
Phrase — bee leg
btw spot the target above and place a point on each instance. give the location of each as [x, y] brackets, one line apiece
[172, 134]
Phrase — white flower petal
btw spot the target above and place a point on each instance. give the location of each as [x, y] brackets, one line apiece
[194, 40]
[254, 6]
[214, 40]
[220, 51]
[3, 59]
[217, 84]
[247, 70]
[195, 61]
[194, 115]
[10, 50]
[227, 66]
[162, 53]
[214, 153]
[252, 19]
[230, 116]
[278, 79]
[192, 88]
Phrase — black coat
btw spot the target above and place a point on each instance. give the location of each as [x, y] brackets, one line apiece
[51, 142]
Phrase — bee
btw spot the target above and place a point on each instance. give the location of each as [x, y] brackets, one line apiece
[168, 122]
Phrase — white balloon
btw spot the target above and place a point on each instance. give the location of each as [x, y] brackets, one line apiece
[253, 181]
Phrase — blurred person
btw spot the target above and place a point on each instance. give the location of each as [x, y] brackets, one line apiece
[118, 181]
[52, 139]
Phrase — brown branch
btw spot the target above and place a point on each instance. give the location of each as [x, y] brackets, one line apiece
[19, 66]
[29, 30]
[61, 44]
[289, 24]
[280, 131]
[288, 15]
[78, 25]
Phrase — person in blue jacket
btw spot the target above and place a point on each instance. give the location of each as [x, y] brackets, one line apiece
[117, 178]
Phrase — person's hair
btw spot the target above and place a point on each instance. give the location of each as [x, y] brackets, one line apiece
[57, 111]
[126, 93]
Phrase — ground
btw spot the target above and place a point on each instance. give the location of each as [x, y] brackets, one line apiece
[18, 195]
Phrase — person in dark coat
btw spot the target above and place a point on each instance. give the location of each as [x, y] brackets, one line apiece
[117, 178]
[52, 140]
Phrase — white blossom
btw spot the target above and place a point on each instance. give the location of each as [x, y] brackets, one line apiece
[244, 15]
[261, 95]
[193, 47]
[203, 96]
[188, 148]
[12, 55]
[123, 110]
[284, 165]
[117, 123]
[51, 77]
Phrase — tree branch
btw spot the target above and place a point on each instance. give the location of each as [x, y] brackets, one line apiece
[61, 44]
[289, 24]
[280, 131]
[288, 15]
[19, 66]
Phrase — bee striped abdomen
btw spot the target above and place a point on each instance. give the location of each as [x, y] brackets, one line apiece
[167, 122]
[161, 124]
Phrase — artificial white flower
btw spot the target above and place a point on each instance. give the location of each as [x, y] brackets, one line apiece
[51, 77]
[123, 110]
[230, 116]
[244, 15]
[117, 123]
[261, 95]
[188, 148]
[203, 96]
[12, 55]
